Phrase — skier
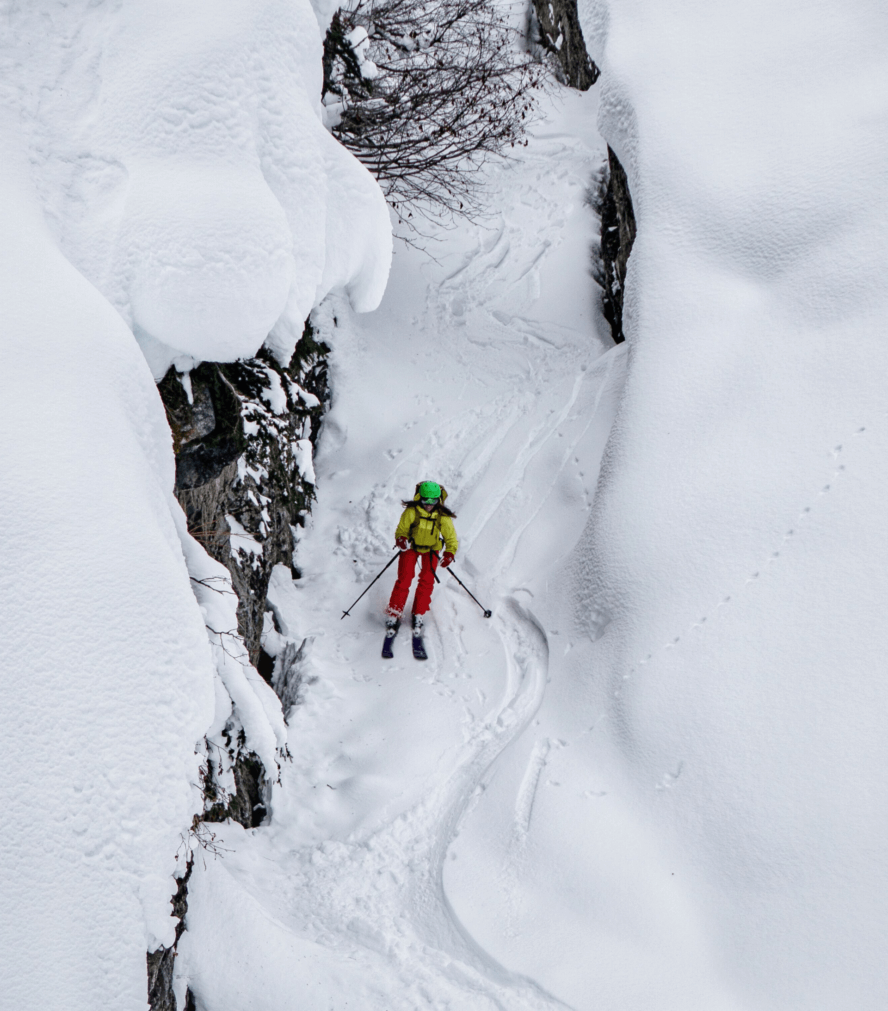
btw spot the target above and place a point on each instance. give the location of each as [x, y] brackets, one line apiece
[425, 526]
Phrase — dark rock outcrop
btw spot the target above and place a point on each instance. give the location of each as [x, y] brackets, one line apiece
[241, 439]
[248, 803]
[162, 962]
[613, 202]
[243, 434]
[557, 30]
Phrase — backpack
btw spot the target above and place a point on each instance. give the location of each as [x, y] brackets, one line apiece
[429, 527]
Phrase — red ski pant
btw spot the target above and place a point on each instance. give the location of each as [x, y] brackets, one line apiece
[424, 586]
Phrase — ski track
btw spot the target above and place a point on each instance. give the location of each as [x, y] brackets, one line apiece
[386, 887]
[341, 882]
[367, 881]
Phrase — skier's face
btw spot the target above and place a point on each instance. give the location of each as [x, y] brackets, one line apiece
[428, 503]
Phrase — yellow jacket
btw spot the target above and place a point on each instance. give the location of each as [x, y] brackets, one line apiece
[427, 531]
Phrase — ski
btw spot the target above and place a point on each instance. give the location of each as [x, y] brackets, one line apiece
[389, 641]
[419, 650]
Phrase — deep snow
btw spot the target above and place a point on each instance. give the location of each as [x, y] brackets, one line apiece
[164, 172]
[181, 160]
[654, 781]
[738, 541]
[108, 682]
[487, 369]
[654, 778]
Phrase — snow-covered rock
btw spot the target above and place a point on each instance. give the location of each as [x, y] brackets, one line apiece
[180, 155]
[165, 173]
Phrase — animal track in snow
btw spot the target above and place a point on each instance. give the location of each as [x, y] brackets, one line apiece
[753, 577]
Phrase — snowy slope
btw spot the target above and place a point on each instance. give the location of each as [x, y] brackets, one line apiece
[485, 368]
[709, 806]
[107, 678]
[164, 171]
[654, 781]
[739, 541]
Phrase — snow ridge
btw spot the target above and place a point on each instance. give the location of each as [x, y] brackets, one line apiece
[165, 175]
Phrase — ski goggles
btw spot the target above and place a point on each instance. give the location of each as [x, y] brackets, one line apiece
[427, 503]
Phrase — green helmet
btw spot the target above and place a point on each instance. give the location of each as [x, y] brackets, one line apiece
[428, 489]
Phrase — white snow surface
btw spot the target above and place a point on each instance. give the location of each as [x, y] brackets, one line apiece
[486, 368]
[180, 156]
[655, 779]
[738, 543]
[164, 173]
[108, 680]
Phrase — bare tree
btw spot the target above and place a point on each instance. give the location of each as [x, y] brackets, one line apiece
[425, 92]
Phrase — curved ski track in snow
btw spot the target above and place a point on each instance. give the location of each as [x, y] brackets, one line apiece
[377, 897]
[410, 916]
[463, 375]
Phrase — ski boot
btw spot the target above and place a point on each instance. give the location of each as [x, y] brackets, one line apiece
[391, 630]
[419, 650]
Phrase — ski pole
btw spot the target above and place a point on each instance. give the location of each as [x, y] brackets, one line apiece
[487, 613]
[387, 564]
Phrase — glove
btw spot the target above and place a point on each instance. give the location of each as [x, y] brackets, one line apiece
[446, 559]
[402, 544]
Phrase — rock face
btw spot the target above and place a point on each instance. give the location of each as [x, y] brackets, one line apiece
[161, 962]
[560, 34]
[243, 434]
[555, 26]
[246, 804]
[614, 204]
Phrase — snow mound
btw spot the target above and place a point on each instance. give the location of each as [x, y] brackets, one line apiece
[738, 542]
[165, 174]
[108, 680]
[181, 157]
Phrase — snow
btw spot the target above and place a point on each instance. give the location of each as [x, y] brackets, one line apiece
[258, 710]
[167, 186]
[240, 539]
[496, 380]
[274, 394]
[302, 454]
[359, 41]
[108, 680]
[738, 542]
[309, 400]
[653, 779]
[185, 380]
[180, 155]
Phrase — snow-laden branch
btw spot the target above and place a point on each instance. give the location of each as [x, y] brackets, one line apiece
[425, 93]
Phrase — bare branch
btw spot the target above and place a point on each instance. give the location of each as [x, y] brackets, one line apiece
[437, 89]
[222, 579]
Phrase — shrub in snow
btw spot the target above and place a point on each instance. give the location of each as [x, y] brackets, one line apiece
[424, 92]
